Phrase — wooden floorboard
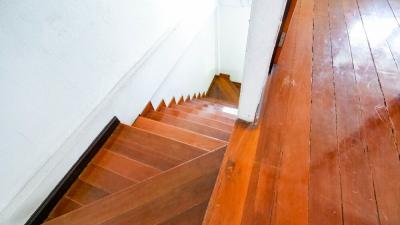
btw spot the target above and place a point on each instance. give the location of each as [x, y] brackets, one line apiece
[324, 184]
[326, 147]
[356, 190]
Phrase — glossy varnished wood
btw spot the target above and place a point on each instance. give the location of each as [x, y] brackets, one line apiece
[189, 183]
[210, 108]
[142, 153]
[176, 133]
[199, 119]
[325, 183]
[222, 88]
[228, 119]
[84, 193]
[327, 151]
[187, 124]
[157, 142]
[193, 216]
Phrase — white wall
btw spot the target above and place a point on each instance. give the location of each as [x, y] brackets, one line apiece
[265, 20]
[233, 28]
[67, 67]
[196, 69]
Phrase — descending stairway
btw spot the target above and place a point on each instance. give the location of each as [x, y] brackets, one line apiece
[160, 170]
[224, 89]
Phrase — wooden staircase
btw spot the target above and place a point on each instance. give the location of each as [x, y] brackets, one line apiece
[160, 170]
[224, 89]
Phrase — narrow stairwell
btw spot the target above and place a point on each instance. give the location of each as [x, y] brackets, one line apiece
[160, 170]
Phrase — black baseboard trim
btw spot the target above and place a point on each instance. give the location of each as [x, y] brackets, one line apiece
[41, 214]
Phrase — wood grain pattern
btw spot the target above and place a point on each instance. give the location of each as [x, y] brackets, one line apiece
[325, 185]
[138, 196]
[193, 216]
[211, 115]
[124, 166]
[133, 155]
[84, 193]
[162, 145]
[356, 190]
[375, 119]
[104, 179]
[170, 204]
[344, 169]
[209, 108]
[227, 202]
[189, 125]
[185, 136]
[199, 119]
[216, 101]
[64, 206]
[144, 154]
[222, 88]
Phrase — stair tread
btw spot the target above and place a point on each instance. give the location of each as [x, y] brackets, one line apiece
[85, 193]
[179, 134]
[192, 216]
[216, 106]
[223, 88]
[212, 115]
[211, 109]
[200, 104]
[189, 125]
[104, 179]
[217, 101]
[157, 143]
[124, 166]
[144, 154]
[147, 194]
[64, 206]
[199, 119]
[170, 204]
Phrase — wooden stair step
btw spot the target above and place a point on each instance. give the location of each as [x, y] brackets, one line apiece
[211, 109]
[213, 105]
[199, 119]
[65, 205]
[203, 104]
[192, 216]
[85, 193]
[209, 115]
[104, 179]
[124, 166]
[223, 88]
[170, 204]
[172, 192]
[189, 125]
[144, 154]
[217, 101]
[195, 139]
[157, 143]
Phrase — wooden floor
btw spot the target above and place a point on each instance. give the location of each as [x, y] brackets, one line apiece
[326, 148]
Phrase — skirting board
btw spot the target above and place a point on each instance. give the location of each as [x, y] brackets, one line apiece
[62, 187]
